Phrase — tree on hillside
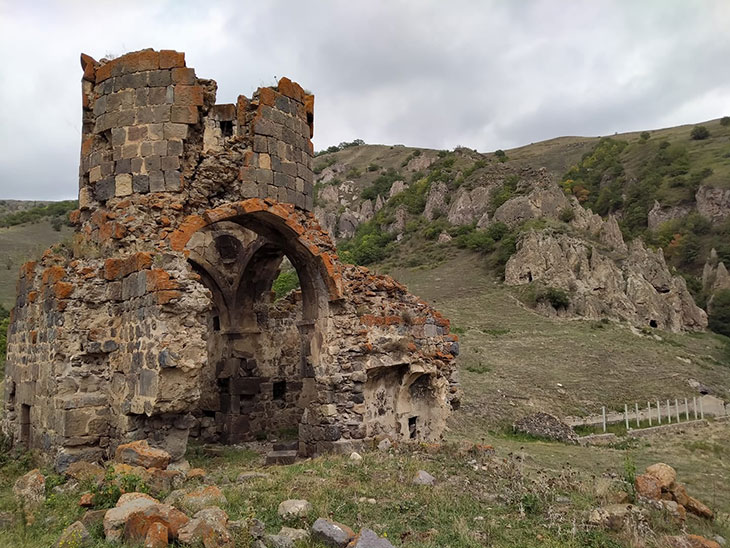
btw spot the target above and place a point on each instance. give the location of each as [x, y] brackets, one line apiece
[725, 121]
[501, 155]
[699, 133]
[719, 316]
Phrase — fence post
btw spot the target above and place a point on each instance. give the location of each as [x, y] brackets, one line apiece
[658, 412]
[676, 408]
[626, 415]
[694, 405]
[686, 410]
[702, 411]
[603, 411]
[669, 413]
[636, 408]
[648, 411]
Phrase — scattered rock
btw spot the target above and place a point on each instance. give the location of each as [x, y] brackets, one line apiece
[249, 476]
[139, 453]
[688, 541]
[115, 518]
[295, 535]
[75, 535]
[424, 478]
[697, 508]
[157, 536]
[385, 444]
[331, 533]
[195, 499]
[86, 500]
[139, 522]
[278, 541]
[195, 473]
[209, 526]
[615, 516]
[648, 486]
[665, 474]
[544, 425]
[369, 539]
[355, 457]
[720, 540]
[84, 471]
[294, 508]
[92, 518]
[181, 465]
[31, 488]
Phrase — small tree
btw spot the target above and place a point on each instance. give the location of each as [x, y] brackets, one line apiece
[699, 133]
[725, 121]
[645, 135]
[501, 155]
[719, 317]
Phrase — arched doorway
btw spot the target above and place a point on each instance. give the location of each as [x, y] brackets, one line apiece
[263, 351]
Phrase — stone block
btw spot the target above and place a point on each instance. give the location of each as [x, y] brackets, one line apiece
[104, 189]
[264, 176]
[169, 163]
[157, 181]
[244, 386]
[140, 97]
[100, 105]
[284, 181]
[141, 183]
[157, 95]
[123, 166]
[136, 165]
[155, 132]
[174, 147]
[152, 163]
[130, 150]
[188, 95]
[182, 75]
[184, 114]
[223, 113]
[123, 185]
[175, 131]
[260, 144]
[157, 78]
[171, 59]
[95, 174]
[173, 181]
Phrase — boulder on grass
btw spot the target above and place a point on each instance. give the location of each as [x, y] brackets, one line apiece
[75, 535]
[648, 486]
[665, 474]
[139, 453]
[208, 527]
[31, 488]
[294, 509]
[331, 533]
[369, 539]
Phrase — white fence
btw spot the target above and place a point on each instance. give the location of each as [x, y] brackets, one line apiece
[657, 412]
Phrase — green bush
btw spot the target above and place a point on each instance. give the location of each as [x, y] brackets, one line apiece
[370, 244]
[725, 121]
[567, 215]
[501, 155]
[719, 316]
[558, 298]
[373, 167]
[477, 240]
[699, 133]
[56, 209]
[286, 281]
[504, 193]
[645, 135]
[381, 185]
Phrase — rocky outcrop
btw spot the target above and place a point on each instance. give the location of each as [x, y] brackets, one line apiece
[659, 214]
[713, 203]
[636, 287]
[541, 197]
[544, 425]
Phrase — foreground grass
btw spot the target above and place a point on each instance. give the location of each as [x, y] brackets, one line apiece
[524, 495]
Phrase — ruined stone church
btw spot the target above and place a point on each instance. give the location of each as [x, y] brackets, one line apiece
[159, 322]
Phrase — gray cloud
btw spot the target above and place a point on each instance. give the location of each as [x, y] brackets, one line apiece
[478, 73]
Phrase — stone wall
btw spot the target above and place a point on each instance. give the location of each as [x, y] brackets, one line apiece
[159, 322]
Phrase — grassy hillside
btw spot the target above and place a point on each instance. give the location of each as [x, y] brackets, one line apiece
[21, 243]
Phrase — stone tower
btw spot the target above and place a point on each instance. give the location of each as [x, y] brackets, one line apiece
[160, 321]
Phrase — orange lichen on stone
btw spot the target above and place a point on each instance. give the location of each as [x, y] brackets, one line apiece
[182, 235]
[63, 290]
[118, 268]
[32, 296]
[164, 297]
[28, 269]
[52, 274]
[291, 89]
[171, 59]
[158, 279]
[372, 320]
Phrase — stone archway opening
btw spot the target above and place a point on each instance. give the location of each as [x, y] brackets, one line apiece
[262, 348]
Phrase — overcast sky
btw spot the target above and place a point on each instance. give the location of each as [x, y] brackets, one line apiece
[429, 73]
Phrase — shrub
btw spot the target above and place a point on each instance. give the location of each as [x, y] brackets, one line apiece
[645, 135]
[725, 121]
[567, 215]
[501, 155]
[107, 492]
[699, 133]
[381, 185]
[557, 298]
[477, 240]
[373, 167]
[353, 173]
[719, 316]
[504, 193]
[286, 281]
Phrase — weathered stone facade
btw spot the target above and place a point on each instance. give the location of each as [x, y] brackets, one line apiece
[160, 323]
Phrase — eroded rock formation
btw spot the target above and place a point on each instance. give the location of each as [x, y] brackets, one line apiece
[634, 286]
[161, 324]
